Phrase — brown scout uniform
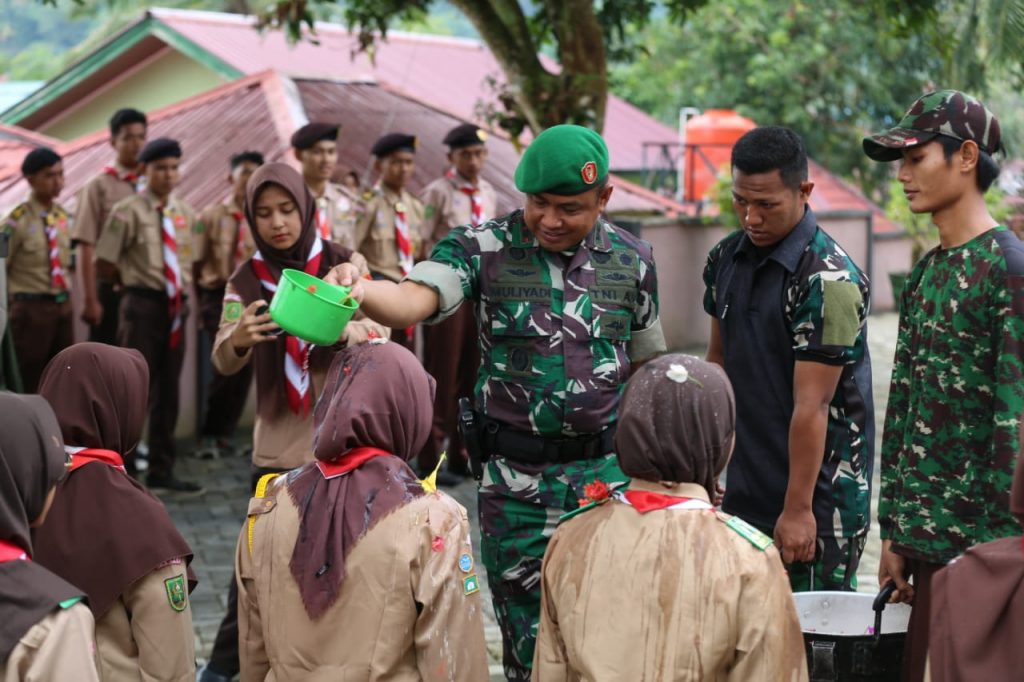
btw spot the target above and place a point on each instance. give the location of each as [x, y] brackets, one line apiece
[146, 634]
[343, 209]
[216, 241]
[95, 202]
[133, 241]
[59, 647]
[405, 612]
[451, 353]
[615, 609]
[40, 314]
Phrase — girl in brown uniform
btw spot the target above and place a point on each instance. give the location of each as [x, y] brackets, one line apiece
[106, 533]
[46, 632]
[349, 568]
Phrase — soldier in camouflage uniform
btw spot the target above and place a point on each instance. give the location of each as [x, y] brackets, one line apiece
[788, 310]
[567, 304]
[957, 392]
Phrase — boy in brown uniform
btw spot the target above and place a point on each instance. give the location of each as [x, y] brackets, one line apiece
[38, 265]
[146, 247]
[388, 233]
[450, 349]
[223, 240]
[115, 182]
[316, 148]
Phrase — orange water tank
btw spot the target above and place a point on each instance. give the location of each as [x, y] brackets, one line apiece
[709, 140]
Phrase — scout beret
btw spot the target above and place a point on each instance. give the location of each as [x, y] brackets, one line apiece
[565, 160]
[38, 159]
[313, 132]
[947, 112]
[160, 148]
[246, 157]
[393, 142]
[465, 135]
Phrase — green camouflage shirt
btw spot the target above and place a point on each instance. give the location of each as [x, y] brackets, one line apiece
[956, 399]
[557, 330]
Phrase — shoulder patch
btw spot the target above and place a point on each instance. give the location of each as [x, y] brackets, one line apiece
[470, 584]
[746, 531]
[19, 211]
[232, 311]
[842, 302]
[429, 211]
[176, 594]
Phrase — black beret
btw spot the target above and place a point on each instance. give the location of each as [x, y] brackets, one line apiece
[246, 157]
[393, 142]
[160, 148]
[311, 133]
[39, 159]
[465, 135]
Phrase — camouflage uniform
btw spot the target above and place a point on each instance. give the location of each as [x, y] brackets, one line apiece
[557, 335]
[805, 301]
[956, 400]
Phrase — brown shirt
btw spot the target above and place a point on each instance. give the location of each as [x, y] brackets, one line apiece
[133, 241]
[59, 647]
[216, 244]
[668, 595]
[446, 206]
[343, 209]
[28, 258]
[95, 202]
[375, 231]
[403, 613]
[143, 636]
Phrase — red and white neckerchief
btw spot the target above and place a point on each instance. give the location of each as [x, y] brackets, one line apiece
[403, 239]
[323, 223]
[172, 272]
[243, 230]
[124, 176]
[296, 356]
[52, 228]
[11, 552]
[82, 456]
[473, 192]
[353, 459]
[645, 501]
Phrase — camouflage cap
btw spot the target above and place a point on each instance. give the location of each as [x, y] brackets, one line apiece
[947, 112]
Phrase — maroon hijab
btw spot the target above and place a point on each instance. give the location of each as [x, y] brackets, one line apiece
[977, 619]
[268, 358]
[31, 462]
[377, 395]
[105, 530]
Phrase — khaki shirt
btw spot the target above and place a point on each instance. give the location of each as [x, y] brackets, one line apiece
[28, 258]
[375, 231]
[668, 595]
[144, 635]
[446, 206]
[216, 244]
[95, 202]
[133, 241]
[59, 647]
[404, 613]
[343, 210]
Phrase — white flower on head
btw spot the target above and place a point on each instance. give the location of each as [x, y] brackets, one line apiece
[678, 373]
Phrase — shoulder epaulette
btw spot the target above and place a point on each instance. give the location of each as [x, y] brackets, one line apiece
[19, 211]
[369, 194]
[261, 492]
[745, 530]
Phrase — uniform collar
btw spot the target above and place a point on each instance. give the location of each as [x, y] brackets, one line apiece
[596, 240]
[37, 209]
[155, 202]
[691, 490]
[390, 194]
[786, 253]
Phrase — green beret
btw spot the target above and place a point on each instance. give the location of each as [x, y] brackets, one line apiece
[565, 160]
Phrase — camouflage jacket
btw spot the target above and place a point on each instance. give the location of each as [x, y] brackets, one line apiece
[956, 399]
[804, 301]
[557, 331]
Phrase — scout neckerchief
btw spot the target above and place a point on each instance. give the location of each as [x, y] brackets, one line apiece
[53, 225]
[353, 459]
[404, 241]
[645, 501]
[470, 190]
[172, 271]
[82, 456]
[296, 357]
[243, 230]
[11, 552]
[323, 224]
[125, 176]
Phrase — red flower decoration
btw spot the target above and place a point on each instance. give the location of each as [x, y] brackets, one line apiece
[311, 288]
[596, 492]
[438, 544]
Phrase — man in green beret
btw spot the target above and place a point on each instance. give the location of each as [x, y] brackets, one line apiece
[567, 305]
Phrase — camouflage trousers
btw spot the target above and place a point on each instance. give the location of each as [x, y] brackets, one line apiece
[834, 567]
[520, 505]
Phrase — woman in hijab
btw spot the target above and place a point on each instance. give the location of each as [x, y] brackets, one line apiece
[349, 568]
[651, 582]
[977, 619]
[108, 534]
[46, 631]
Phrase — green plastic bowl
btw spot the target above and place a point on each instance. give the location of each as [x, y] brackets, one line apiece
[311, 309]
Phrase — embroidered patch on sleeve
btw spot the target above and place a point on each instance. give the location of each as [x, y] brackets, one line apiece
[232, 311]
[841, 313]
[176, 592]
[471, 584]
[465, 563]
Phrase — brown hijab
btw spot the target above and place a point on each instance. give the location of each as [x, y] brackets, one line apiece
[377, 395]
[676, 422]
[977, 619]
[105, 530]
[31, 462]
[268, 358]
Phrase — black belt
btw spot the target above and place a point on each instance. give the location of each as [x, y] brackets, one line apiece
[520, 446]
[49, 298]
[152, 294]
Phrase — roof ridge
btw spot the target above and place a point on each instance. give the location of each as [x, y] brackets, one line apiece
[26, 135]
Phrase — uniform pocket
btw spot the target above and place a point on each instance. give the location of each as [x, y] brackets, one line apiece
[520, 333]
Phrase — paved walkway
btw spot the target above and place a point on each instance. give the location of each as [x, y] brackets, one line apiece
[211, 522]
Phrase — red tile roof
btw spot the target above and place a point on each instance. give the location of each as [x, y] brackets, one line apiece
[15, 143]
